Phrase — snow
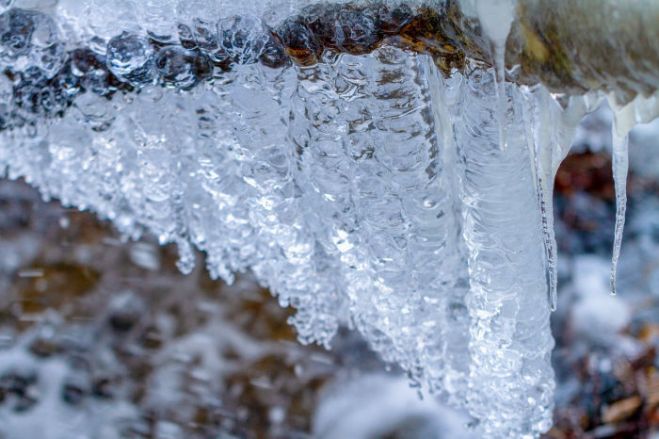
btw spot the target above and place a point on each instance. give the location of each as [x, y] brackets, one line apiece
[50, 418]
[642, 155]
[379, 405]
[597, 315]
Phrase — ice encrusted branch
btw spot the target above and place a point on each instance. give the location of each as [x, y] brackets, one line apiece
[374, 164]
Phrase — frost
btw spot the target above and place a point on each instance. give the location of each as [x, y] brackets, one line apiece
[364, 188]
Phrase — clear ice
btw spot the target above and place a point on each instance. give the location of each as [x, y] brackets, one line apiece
[620, 169]
[364, 190]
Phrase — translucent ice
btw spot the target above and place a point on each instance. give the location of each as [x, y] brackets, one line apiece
[359, 183]
[620, 170]
[129, 56]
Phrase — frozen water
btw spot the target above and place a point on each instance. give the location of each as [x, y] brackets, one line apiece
[620, 170]
[128, 56]
[364, 189]
[29, 39]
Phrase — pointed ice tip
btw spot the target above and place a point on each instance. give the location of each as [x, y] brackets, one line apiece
[552, 284]
[620, 172]
[614, 281]
[553, 301]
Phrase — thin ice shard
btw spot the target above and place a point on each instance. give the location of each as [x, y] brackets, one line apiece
[642, 109]
[542, 172]
[547, 148]
[620, 171]
[496, 17]
[545, 200]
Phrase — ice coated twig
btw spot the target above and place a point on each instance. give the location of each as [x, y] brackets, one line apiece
[562, 46]
[574, 47]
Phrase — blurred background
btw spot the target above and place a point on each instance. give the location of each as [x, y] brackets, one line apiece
[103, 338]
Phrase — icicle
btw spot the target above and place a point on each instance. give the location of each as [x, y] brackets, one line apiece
[186, 258]
[549, 130]
[499, 47]
[542, 170]
[509, 383]
[640, 110]
[547, 215]
[543, 174]
[501, 96]
[552, 256]
[496, 17]
[620, 170]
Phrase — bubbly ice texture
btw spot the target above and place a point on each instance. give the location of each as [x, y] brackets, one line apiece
[366, 190]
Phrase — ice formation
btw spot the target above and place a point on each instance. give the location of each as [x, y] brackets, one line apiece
[361, 184]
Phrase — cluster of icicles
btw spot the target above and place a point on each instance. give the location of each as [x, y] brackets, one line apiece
[366, 189]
